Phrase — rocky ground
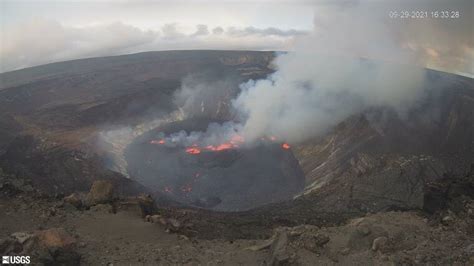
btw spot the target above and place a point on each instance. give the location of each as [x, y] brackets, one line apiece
[96, 228]
[378, 189]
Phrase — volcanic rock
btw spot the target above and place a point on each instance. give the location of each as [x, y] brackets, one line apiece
[265, 245]
[143, 205]
[75, 199]
[10, 245]
[12, 185]
[173, 224]
[470, 250]
[279, 249]
[379, 160]
[102, 191]
[155, 218]
[49, 247]
[363, 229]
[232, 179]
[104, 208]
[374, 161]
[321, 239]
[447, 220]
[449, 192]
[49, 212]
[22, 237]
[345, 251]
[55, 238]
[60, 247]
[146, 204]
[379, 243]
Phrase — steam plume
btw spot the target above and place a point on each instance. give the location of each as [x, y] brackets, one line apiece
[348, 63]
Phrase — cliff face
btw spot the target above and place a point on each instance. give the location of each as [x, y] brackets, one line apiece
[379, 160]
[119, 89]
[371, 161]
[65, 106]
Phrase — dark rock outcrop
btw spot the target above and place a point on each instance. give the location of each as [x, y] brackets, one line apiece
[380, 160]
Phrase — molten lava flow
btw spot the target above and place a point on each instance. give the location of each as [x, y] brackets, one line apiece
[161, 141]
[193, 150]
[232, 144]
[221, 147]
[285, 146]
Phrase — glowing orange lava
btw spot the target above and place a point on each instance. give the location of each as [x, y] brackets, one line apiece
[221, 147]
[285, 146]
[193, 150]
[232, 144]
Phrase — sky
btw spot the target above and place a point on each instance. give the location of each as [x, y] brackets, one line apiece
[40, 32]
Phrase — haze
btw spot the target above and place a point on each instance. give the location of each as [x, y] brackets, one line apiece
[40, 32]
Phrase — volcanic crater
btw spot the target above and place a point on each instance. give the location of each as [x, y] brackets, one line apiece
[229, 176]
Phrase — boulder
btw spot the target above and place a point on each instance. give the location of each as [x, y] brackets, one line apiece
[279, 249]
[46, 247]
[56, 246]
[155, 218]
[265, 245]
[380, 243]
[142, 205]
[75, 199]
[55, 238]
[10, 245]
[313, 242]
[447, 220]
[146, 204]
[102, 191]
[22, 237]
[321, 239]
[172, 225]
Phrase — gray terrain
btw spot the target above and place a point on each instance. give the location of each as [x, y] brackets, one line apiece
[79, 178]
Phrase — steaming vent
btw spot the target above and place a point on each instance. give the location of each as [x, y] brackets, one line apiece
[226, 176]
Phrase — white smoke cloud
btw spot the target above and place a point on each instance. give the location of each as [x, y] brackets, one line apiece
[202, 96]
[356, 58]
[347, 64]
[311, 93]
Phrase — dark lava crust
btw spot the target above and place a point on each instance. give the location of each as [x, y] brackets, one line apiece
[228, 180]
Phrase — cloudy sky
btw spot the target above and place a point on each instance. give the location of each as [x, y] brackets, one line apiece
[41, 31]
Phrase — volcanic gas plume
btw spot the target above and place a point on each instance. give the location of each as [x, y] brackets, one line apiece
[341, 68]
[243, 160]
